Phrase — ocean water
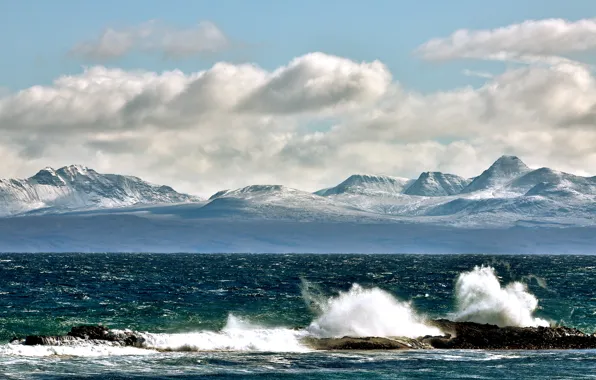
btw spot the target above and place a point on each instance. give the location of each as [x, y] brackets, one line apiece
[247, 316]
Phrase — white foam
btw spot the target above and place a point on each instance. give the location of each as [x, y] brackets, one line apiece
[362, 312]
[480, 298]
[83, 349]
[237, 335]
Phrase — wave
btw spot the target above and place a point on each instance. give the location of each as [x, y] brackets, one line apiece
[79, 349]
[237, 335]
[372, 312]
[481, 299]
[357, 312]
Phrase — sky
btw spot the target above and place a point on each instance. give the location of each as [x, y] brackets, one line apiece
[205, 95]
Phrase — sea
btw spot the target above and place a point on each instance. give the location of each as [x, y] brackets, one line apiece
[249, 316]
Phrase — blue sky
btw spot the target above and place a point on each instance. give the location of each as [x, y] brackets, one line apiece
[207, 95]
[36, 35]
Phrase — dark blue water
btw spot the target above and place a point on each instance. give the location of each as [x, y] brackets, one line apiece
[176, 296]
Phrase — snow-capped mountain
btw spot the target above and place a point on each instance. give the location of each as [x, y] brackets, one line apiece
[548, 182]
[77, 187]
[508, 208]
[363, 184]
[437, 184]
[505, 194]
[504, 170]
[279, 203]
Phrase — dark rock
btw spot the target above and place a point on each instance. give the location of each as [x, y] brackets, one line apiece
[470, 335]
[34, 340]
[368, 343]
[90, 332]
[134, 340]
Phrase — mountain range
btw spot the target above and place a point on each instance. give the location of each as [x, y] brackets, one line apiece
[507, 196]
[77, 187]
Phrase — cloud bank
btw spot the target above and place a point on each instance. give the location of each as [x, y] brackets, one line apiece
[309, 123]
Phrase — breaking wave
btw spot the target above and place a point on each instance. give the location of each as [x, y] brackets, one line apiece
[362, 312]
[357, 312]
[481, 299]
[79, 349]
[237, 335]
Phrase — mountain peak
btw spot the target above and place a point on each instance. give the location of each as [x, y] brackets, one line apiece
[502, 171]
[77, 187]
[509, 164]
[73, 170]
[366, 184]
[49, 175]
[252, 190]
[433, 184]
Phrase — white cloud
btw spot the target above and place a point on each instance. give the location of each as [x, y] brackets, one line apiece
[529, 42]
[154, 37]
[234, 125]
[316, 81]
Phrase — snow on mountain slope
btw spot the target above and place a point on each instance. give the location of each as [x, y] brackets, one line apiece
[506, 194]
[278, 202]
[381, 195]
[368, 185]
[576, 188]
[436, 184]
[77, 187]
[500, 173]
[529, 180]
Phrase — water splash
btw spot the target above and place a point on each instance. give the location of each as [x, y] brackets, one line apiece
[362, 312]
[480, 298]
[237, 335]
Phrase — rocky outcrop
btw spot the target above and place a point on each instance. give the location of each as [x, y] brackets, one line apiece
[95, 334]
[362, 344]
[470, 335]
[458, 335]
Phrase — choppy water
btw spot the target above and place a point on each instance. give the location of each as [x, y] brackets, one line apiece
[243, 316]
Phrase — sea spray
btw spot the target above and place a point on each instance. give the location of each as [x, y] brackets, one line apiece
[480, 298]
[372, 312]
[313, 296]
[237, 335]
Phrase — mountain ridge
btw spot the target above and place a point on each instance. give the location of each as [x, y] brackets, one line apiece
[508, 191]
[78, 187]
[434, 184]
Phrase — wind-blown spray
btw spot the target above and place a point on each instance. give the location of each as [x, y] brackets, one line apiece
[480, 298]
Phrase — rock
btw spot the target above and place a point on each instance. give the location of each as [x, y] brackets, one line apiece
[59, 340]
[96, 334]
[368, 343]
[90, 332]
[470, 335]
